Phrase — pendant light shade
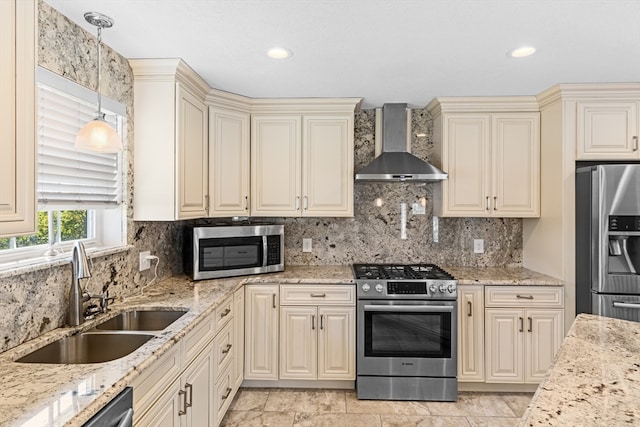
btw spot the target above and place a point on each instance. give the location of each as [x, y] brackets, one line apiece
[98, 135]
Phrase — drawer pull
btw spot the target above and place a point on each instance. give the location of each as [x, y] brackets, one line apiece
[524, 296]
[184, 402]
[226, 312]
[226, 394]
[318, 295]
[227, 348]
[469, 309]
[521, 324]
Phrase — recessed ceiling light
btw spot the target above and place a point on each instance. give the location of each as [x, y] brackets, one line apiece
[523, 51]
[279, 53]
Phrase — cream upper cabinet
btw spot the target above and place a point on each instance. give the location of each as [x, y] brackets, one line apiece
[171, 141]
[471, 333]
[17, 112]
[302, 157]
[608, 129]
[229, 154]
[491, 150]
[524, 328]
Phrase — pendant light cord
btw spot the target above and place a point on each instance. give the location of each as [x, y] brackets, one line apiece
[100, 115]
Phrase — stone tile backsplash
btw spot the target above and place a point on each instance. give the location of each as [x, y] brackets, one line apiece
[36, 302]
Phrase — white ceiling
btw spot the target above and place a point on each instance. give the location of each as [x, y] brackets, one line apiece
[380, 50]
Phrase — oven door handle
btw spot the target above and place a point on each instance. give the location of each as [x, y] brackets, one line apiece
[621, 304]
[410, 308]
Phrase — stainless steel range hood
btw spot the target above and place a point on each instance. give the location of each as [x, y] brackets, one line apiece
[395, 163]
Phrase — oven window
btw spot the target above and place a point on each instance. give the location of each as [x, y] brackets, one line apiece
[402, 334]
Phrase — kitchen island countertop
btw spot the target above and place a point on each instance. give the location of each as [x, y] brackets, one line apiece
[595, 379]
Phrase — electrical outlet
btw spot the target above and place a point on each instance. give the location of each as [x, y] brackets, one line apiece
[306, 245]
[418, 209]
[145, 262]
[478, 246]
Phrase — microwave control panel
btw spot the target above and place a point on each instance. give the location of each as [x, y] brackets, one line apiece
[624, 223]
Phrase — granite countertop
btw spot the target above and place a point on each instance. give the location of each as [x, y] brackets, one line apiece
[595, 379]
[512, 276]
[56, 395]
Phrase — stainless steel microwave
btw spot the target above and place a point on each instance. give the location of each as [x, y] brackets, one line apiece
[236, 250]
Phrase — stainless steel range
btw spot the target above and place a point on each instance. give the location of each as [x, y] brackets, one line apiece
[406, 332]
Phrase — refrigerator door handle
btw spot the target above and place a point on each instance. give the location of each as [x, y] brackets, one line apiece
[619, 304]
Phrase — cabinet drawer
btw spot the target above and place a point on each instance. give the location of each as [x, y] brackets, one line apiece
[148, 387]
[224, 312]
[223, 393]
[223, 349]
[198, 338]
[524, 296]
[317, 294]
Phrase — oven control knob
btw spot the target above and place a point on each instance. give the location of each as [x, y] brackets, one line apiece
[433, 289]
[443, 288]
[451, 288]
[379, 288]
[366, 287]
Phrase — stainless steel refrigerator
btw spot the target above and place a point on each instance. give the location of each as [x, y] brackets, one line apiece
[608, 240]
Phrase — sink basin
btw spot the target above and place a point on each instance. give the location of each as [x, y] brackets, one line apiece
[138, 320]
[87, 348]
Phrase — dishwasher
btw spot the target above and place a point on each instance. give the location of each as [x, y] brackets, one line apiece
[117, 413]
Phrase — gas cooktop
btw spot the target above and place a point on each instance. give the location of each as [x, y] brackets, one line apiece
[400, 272]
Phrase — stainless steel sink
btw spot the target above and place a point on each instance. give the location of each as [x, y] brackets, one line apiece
[87, 348]
[139, 320]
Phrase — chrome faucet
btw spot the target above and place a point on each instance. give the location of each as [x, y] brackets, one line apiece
[79, 270]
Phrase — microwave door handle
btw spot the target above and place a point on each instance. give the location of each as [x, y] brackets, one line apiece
[410, 308]
[264, 251]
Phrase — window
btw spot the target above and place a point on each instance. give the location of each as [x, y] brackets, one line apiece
[79, 192]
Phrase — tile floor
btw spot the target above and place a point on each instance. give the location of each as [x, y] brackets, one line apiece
[337, 408]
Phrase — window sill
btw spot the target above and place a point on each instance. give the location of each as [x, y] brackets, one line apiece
[17, 268]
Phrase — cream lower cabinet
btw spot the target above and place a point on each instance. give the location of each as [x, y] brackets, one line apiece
[194, 382]
[262, 307]
[317, 335]
[523, 332]
[18, 20]
[471, 333]
[302, 158]
[608, 129]
[171, 141]
[492, 154]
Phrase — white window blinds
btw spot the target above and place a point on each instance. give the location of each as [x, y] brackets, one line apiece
[66, 176]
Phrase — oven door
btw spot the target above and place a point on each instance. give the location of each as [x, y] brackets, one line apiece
[407, 338]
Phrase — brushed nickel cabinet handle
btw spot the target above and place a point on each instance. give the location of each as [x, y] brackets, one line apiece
[246, 203]
[521, 324]
[188, 403]
[524, 296]
[224, 313]
[306, 203]
[322, 321]
[635, 143]
[469, 309]
[227, 349]
[274, 300]
[313, 322]
[488, 207]
[318, 295]
[184, 402]
[530, 324]
[495, 203]
[227, 393]
[297, 203]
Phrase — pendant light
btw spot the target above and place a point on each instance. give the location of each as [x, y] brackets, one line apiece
[98, 135]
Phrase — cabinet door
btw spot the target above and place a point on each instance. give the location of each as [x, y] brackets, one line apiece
[327, 166]
[197, 383]
[261, 332]
[545, 332]
[470, 334]
[192, 161]
[465, 154]
[238, 331]
[298, 342]
[504, 334]
[165, 411]
[516, 165]
[228, 162]
[275, 165]
[336, 343]
[607, 130]
[17, 115]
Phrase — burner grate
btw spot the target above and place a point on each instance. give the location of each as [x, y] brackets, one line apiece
[400, 272]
